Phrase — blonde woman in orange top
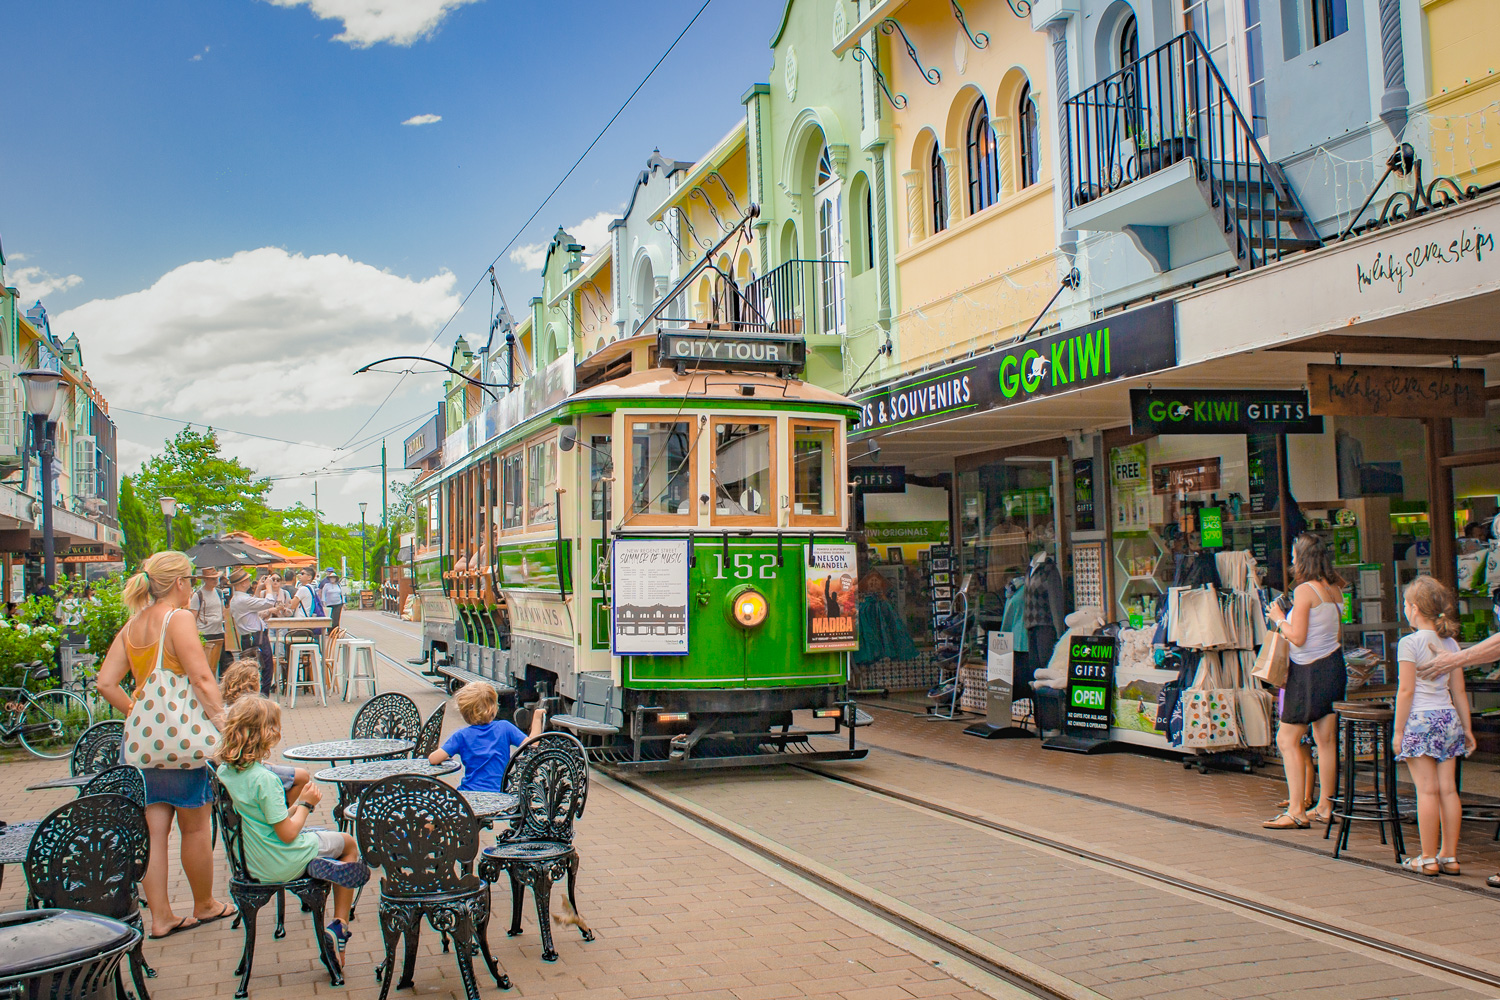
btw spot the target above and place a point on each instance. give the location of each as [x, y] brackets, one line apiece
[154, 595]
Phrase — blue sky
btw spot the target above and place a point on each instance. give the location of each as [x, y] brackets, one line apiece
[221, 198]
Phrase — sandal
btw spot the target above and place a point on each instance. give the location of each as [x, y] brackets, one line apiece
[227, 911]
[1320, 820]
[1449, 866]
[1285, 821]
[183, 924]
[1493, 881]
[1421, 866]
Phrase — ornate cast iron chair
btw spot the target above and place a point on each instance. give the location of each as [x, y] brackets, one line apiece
[250, 894]
[122, 779]
[432, 732]
[423, 837]
[97, 748]
[549, 773]
[389, 716]
[89, 855]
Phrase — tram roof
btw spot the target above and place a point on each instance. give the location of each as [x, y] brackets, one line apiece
[657, 383]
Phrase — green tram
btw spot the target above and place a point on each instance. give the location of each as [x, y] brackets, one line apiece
[581, 497]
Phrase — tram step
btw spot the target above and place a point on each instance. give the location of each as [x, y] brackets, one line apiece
[579, 724]
[463, 677]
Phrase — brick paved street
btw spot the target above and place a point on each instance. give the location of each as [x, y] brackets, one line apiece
[682, 912]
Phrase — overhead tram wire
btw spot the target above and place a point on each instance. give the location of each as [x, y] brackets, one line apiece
[532, 218]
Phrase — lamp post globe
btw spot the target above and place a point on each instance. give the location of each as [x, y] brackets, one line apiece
[168, 511]
[41, 385]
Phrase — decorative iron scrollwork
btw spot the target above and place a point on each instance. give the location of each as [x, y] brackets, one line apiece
[1020, 8]
[728, 191]
[898, 101]
[390, 716]
[688, 253]
[980, 39]
[933, 76]
[713, 210]
[1440, 192]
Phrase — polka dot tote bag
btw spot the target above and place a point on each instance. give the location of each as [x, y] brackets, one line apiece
[167, 727]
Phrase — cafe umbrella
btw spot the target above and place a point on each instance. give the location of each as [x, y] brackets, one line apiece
[221, 552]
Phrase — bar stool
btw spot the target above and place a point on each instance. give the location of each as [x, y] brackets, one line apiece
[1371, 723]
[304, 666]
[355, 659]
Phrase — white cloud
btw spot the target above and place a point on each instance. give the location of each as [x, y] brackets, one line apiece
[592, 232]
[32, 283]
[264, 331]
[369, 22]
[200, 55]
[423, 120]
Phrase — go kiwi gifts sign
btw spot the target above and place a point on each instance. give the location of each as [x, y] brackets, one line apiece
[1124, 345]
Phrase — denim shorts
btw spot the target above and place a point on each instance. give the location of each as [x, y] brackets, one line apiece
[184, 789]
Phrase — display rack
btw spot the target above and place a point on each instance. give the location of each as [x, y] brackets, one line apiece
[1138, 567]
[949, 689]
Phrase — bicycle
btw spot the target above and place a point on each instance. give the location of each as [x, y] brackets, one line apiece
[46, 723]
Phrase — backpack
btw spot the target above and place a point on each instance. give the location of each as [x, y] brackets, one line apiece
[318, 610]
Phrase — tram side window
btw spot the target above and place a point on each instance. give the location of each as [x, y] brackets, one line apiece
[742, 482]
[661, 478]
[815, 475]
[513, 514]
[601, 468]
[541, 482]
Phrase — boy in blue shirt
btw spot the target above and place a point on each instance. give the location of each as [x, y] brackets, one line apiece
[484, 745]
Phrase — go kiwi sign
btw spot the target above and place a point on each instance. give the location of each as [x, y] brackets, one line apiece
[1132, 343]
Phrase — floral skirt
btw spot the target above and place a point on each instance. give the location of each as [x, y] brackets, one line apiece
[1436, 733]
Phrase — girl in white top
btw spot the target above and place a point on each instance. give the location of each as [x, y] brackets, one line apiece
[1315, 680]
[1432, 724]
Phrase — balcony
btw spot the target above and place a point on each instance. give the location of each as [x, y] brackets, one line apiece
[1160, 151]
[800, 296]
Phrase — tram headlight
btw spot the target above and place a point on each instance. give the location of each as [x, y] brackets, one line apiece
[748, 607]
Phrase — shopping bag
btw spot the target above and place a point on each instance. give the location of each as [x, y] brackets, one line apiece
[1200, 621]
[1209, 712]
[1271, 664]
[167, 727]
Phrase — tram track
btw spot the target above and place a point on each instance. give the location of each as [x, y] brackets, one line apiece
[1020, 974]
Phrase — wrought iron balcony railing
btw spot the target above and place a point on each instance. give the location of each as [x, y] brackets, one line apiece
[1172, 105]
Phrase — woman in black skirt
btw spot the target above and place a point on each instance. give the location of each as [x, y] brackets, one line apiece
[1315, 680]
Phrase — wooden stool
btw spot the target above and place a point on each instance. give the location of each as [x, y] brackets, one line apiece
[1377, 803]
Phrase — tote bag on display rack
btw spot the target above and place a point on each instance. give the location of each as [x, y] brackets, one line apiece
[1209, 711]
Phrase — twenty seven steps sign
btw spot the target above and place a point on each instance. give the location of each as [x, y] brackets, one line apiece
[698, 349]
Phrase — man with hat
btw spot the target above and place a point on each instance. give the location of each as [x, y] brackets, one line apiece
[332, 595]
[207, 607]
[246, 611]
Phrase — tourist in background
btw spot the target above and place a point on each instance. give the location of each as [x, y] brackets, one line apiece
[332, 594]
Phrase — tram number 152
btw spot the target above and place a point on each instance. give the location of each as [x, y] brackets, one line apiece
[742, 566]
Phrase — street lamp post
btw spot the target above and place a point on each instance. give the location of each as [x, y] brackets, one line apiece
[41, 394]
[168, 511]
[364, 562]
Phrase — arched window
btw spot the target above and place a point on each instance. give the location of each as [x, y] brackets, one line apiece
[937, 172]
[1130, 42]
[984, 164]
[869, 226]
[1026, 121]
[862, 209]
[825, 167]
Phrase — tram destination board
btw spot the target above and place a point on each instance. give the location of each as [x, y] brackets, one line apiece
[733, 351]
[1090, 694]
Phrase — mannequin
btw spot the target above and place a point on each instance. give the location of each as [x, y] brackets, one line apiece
[1044, 613]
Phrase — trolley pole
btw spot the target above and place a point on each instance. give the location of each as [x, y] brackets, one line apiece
[317, 544]
[385, 528]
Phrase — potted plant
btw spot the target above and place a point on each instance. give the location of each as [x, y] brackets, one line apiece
[1157, 150]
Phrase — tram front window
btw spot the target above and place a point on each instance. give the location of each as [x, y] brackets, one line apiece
[511, 487]
[742, 470]
[541, 483]
[661, 480]
[815, 476]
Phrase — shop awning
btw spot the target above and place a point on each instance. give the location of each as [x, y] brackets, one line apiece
[291, 558]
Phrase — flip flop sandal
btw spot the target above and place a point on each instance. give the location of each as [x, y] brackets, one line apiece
[228, 911]
[1493, 881]
[1286, 821]
[182, 924]
[1449, 866]
[1420, 865]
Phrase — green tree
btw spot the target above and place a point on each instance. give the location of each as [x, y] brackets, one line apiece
[218, 492]
[135, 523]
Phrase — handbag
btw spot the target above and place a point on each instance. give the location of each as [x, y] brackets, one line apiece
[167, 728]
[1209, 712]
[1272, 664]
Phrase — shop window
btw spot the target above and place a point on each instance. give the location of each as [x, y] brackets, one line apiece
[1007, 514]
[661, 470]
[744, 487]
[541, 482]
[512, 485]
[983, 160]
[937, 172]
[815, 477]
[1030, 152]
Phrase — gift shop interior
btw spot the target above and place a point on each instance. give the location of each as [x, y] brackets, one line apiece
[1158, 518]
